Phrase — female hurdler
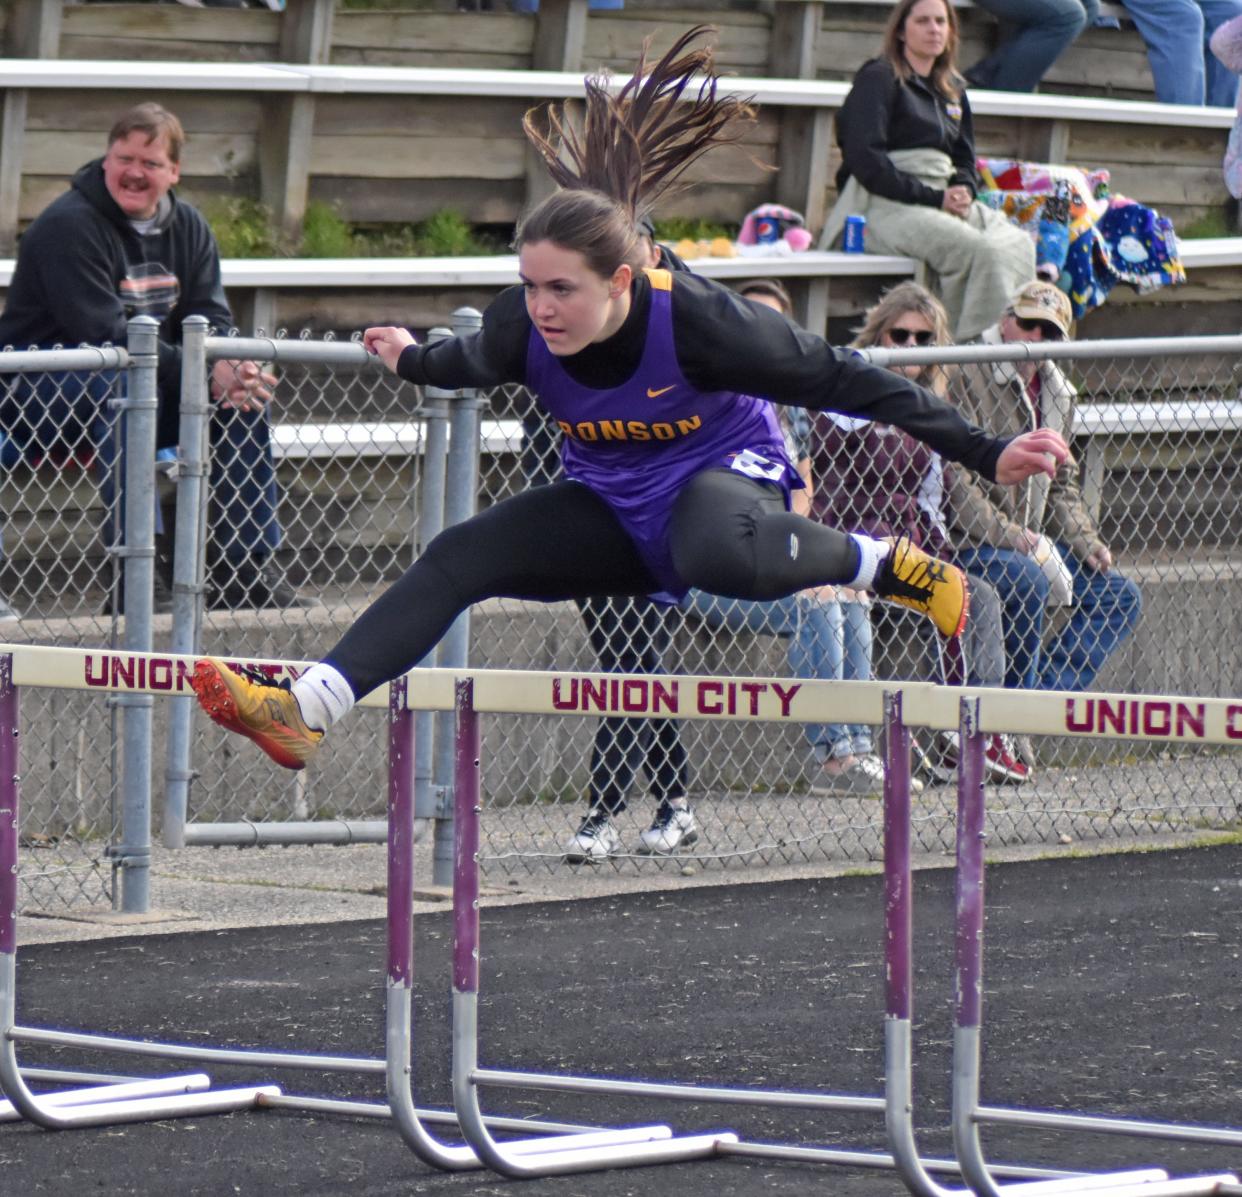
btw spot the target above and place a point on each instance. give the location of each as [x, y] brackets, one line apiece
[675, 472]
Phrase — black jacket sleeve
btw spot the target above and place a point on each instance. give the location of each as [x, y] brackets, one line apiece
[487, 358]
[68, 271]
[965, 171]
[725, 343]
[863, 132]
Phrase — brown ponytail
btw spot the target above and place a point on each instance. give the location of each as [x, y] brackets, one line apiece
[634, 146]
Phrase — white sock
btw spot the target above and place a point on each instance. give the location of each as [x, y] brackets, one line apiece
[323, 696]
[871, 555]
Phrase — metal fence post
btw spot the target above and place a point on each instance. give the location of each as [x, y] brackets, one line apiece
[460, 499]
[427, 800]
[191, 474]
[133, 854]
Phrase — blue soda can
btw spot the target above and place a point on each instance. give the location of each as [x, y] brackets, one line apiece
[855, 235]
[767, 230]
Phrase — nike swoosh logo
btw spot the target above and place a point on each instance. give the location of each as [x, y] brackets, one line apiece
[656, 394]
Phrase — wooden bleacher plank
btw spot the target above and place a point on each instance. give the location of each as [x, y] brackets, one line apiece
[541, 85]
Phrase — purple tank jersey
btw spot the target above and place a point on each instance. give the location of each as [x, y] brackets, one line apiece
[636, 445]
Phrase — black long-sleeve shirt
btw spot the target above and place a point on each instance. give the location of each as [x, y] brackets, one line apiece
[883, 113]
[723, 343]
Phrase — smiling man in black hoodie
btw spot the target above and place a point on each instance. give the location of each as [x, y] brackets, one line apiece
[117, 244]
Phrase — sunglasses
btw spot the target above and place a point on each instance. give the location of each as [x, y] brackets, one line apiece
[1048, 331]
[904, 336]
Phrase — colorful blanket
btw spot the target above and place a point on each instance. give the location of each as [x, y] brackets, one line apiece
[1087, 240]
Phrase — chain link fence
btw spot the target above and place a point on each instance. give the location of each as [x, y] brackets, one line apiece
[355, 482]
[1156, 438]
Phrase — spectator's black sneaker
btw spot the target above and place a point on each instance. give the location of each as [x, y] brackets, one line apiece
[672, 826]
[945, 754]
[243, 585]
[597, 839]
[912, 578]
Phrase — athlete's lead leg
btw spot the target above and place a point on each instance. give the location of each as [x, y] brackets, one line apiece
[731, 535]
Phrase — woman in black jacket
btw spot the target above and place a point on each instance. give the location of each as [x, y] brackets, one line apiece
[908, 165]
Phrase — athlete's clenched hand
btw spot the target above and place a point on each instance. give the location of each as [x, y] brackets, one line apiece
[1038, 452]
[387, 342]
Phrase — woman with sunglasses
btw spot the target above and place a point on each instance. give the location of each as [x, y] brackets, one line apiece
[675, 473]
[908, 166]
[1039, 545]
[880, 481]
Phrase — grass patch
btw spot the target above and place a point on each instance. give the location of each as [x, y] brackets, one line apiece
[678, 228]
[1193, 839]
[243, 228]
[325, 233]
[1215, 223]
[560, 791]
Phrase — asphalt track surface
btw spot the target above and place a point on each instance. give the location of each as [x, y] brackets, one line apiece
[1112, 985]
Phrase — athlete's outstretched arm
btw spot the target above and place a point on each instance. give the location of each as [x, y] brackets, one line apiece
[1038, 452]
[724, 343]
[484, 359]
[387, 342]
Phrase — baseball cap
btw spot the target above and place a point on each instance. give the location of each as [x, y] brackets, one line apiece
[1040, 300]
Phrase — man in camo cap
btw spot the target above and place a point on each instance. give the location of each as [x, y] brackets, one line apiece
[1037, 543]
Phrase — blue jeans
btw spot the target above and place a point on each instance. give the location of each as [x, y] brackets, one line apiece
[826, 641]
[1033, 34]
[1177, 32]
[68, 414]
[1106, 609]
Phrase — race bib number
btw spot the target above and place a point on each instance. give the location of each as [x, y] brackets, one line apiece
[755, 466]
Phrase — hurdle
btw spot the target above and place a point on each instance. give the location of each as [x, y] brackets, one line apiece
[535, 693]
[116, 1100]
[898, 991]
[1201, 721]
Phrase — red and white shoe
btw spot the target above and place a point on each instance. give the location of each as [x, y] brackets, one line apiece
[1002, 763]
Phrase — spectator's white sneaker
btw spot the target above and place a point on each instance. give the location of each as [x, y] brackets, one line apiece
[597, 839]
[672, 826]
[873, 767]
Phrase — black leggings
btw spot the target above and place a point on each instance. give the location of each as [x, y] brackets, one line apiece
[729, 534]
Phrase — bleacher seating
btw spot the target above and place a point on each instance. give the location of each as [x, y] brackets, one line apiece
[1059, 118]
